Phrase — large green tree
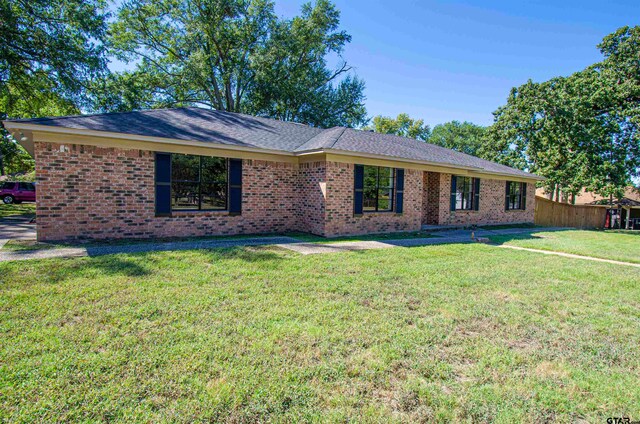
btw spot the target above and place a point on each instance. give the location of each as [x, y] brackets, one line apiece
[402, 125]
[234, 55]
[50, 50]
[51, 46]
[41, 101]
[578, 131]
[464, 137]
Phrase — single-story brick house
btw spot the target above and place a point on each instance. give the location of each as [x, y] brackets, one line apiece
[194, 172]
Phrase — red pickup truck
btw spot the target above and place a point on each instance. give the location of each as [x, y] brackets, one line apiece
[17, 192]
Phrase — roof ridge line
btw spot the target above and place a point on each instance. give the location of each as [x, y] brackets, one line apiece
[323, 131]
[261, 117]
[337, 138]
[310, 138]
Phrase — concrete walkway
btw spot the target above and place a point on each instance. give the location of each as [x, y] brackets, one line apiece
[304, 248]
[570, 255]
[21, 255]
[441, 237]
[349, 246]
[16, 228]
[22, 230]
[498, 232]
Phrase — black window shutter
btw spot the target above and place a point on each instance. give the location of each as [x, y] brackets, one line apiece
[523, 188]
[506, 196]
[399, 190]
[453, 193]
[235, 186]
[476, 194]
[358, 186]
[163, 184]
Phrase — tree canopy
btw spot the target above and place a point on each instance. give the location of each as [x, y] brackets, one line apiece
[51, 46]
[49, 53]
[233, 55]
[402, 125]
[578, 131]
[464, 137]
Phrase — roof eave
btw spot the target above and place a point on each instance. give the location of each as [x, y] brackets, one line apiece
[26, 129]
[420, 162]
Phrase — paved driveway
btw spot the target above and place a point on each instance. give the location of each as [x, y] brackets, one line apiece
[17, 228]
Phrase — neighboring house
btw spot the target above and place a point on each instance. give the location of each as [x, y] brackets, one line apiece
[621, 213]
[196, 172]
[588, 198]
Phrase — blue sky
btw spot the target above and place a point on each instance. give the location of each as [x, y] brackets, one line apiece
[441, 61]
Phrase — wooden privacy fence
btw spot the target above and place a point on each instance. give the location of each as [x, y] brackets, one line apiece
[554, 214]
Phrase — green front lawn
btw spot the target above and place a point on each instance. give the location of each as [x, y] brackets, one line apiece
[619, 246]
[25, 209]
[449, 333]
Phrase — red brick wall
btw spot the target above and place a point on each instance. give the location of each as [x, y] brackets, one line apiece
[431, 198]
[310, 209]
[339, 207]
[97, 193]
[87, 192]
[491, 209]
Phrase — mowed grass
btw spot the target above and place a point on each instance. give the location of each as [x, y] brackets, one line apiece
[25, 209]
[470, 333]
[620, 246]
